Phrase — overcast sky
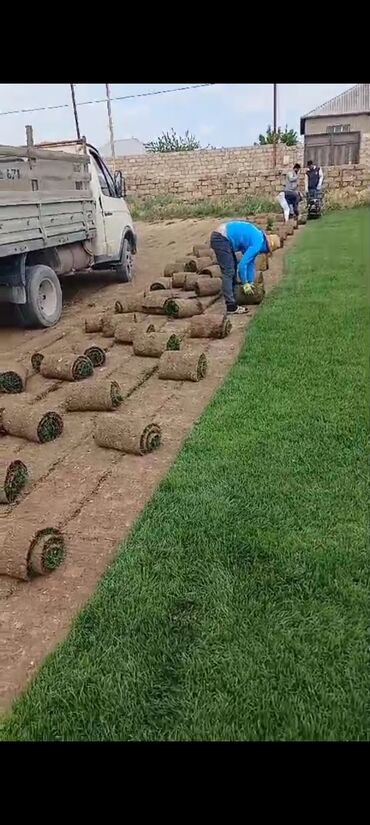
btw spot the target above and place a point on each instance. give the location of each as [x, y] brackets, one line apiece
[221, 115]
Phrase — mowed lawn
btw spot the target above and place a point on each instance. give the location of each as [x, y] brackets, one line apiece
[238, 607]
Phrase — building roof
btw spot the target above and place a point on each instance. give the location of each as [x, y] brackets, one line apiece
[355, 100]
[128, 146]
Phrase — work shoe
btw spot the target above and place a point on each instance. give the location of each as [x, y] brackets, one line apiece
[234, 309]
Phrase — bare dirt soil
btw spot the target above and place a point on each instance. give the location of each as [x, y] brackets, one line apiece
[97, 493]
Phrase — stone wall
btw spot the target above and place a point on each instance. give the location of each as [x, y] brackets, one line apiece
[234, 173]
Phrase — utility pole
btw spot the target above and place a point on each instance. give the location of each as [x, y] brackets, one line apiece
[72, 85]
[275, 121]
[29, 135]
[110, 121]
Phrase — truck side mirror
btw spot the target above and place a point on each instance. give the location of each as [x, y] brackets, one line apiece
[119, 184]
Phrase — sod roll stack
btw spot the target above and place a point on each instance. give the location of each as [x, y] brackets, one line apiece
[210, 326]
[128, 303]
[171, 268]
[28, 551]
[213, 271]
[207, 286]
[13, 477]
[178, 280]
[13, 378]
[94, 322]
[26, 421]
[154, 302]
[110, 324]
[182, 366]
[99, 395]
[160, 283]
[153, 344]
[126, 330]
[194, 264]
[127, 433]
[62, 367]
[183, 307]
[190, 280]
[203, 251]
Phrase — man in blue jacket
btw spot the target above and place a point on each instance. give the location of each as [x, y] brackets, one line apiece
[239, 236]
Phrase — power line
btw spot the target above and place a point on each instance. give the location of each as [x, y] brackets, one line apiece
[103, 100]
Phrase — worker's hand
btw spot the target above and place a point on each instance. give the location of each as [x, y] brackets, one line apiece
[248, 289]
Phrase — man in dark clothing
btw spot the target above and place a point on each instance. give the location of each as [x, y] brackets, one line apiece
[291, 189]
[313, 178]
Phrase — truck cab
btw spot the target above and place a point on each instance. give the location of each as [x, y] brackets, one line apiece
[115, 241]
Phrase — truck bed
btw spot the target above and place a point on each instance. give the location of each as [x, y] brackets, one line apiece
[45, 199]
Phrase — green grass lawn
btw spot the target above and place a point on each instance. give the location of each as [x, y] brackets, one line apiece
[238, 607]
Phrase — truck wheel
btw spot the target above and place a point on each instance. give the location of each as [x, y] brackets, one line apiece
[44, 297]
[125, 269]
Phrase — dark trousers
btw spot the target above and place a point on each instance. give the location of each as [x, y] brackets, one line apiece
[228, 264]
[292, 199]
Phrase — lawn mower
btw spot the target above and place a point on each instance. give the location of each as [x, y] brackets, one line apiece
[314, 204]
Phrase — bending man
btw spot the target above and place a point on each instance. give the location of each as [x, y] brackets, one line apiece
[239, 236]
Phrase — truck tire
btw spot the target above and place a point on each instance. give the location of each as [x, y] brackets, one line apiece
[44, 297]
[125, 269]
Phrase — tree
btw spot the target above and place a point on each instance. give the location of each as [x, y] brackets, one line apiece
[289, 137]
[171, 142]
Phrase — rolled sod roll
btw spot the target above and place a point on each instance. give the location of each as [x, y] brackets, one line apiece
[203, 250]
[208, 286]
[129, 434]
[96, 355]
[261, 262]
[154, 302]
[182, 366]
[178, 279]
[289, 228]
[94, 322]
[253, 298]
[27, 551]
[99, 394]
[162, 293]
[25, 421]
[194, 264]
[153, 344]
[259, 280]
[302, 220]
[210, 326]
[63, 367]
[183, 307]
[190, 281]
[176, 266]
[128, 303]
[13, 378]
[126, 330]
[110, 324]
[160, 283]
[213, 271]
[13, 477]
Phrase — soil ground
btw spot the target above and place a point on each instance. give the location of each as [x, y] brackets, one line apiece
[96, 494]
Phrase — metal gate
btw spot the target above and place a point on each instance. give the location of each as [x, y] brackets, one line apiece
[334, 149]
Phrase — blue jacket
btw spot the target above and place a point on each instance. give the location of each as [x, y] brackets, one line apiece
[246, 238]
